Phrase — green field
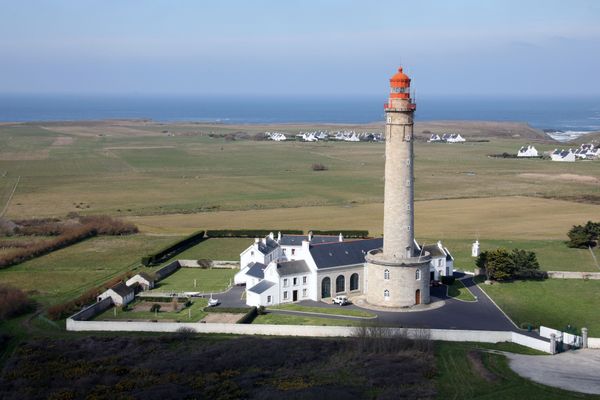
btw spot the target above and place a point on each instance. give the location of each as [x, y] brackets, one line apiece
[207, 280]
[555, 303]
[460, 292]
[193, 313]
[323, 310]
[284, 319]
[65, 274]
[223, 249]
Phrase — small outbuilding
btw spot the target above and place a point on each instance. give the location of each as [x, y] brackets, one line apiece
[144, 280]
[120, 294]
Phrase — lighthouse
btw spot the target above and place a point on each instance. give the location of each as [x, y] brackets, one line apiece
[398, 274]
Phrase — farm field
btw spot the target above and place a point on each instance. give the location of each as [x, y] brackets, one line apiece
[207, 280]
[193, 313]
[555, 303]
[66, 273]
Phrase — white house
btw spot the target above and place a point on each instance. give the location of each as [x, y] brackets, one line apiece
[563, 155]
[143, 279]
[120, 294]
[453, 138]
[434, 138]
[527, 151]
[293, 268]
[276, 136]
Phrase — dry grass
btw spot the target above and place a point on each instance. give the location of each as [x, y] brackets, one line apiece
[498, 218]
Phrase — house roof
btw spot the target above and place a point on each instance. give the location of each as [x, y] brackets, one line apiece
[267, 247]
[292, 268]
[261, 287]
[296, 240]
[257, 270]
[122, 289]
[146, 276]
[434, 250]
[336, 254]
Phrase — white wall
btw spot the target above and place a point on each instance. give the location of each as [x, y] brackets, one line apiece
[594, 343]
[531, 342]
[573, 275]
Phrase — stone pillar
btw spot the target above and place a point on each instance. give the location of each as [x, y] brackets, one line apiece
[584, 338]
[552, 343]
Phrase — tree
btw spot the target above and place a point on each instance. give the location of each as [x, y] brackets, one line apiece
[500, 265]
[583, 236]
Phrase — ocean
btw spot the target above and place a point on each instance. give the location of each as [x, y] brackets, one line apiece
[562, 118]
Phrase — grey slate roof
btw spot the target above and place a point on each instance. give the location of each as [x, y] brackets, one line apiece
[268, 247]
[292, 268]
[261, 287]
[122, 289]
[146, 276]
[257, 270]
[434, 250]
[296, 240]
[343, 253]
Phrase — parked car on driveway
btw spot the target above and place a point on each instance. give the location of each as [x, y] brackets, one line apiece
[341, 300]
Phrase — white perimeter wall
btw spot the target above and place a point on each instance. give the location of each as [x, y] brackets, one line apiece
[594, 343]
[573, 275]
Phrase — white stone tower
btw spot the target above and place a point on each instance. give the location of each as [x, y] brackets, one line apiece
[398, 275]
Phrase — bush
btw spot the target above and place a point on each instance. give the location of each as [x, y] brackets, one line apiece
[500, 264]
[227, 310]
[319, 167]
[155, 307]
[584, 236]
[346, 233]
[173, 249]
[261, 310]
[249, 317]
[13, 302]
[205, 263]
[448, 280]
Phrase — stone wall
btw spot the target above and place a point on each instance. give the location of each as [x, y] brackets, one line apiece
[167, 270]
[93, 310]
[573, 275]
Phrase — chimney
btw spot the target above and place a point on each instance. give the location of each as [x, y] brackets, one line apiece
[264, 240]
[305, 248]
[271, 236]
[341, 237]
[256, 240]
[278, 236]
[439, 243]
[310, 235]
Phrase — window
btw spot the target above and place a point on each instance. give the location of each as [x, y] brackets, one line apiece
[252, 253]
[284, 251]
[418, 274]
[304, 280]
[303, 292]
[354, 282]
[326, 288]
[340, 284]
[295, 281]
[386, 294]
[269, 299]
[285, 282]
[285, 296]
[386, 274]
[293, 251]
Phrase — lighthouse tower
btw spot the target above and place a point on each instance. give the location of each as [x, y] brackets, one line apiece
[398, 274]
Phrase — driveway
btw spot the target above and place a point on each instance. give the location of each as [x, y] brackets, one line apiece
[577, 371]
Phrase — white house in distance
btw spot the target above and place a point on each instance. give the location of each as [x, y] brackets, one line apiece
[563, 155]
[434, 138]
[290, 268]
[120, 294]
[452, 138]
[527, 151]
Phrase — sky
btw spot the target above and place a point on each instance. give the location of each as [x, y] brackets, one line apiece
[299, 48]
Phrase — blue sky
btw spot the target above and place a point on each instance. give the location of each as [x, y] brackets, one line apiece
[306, 47]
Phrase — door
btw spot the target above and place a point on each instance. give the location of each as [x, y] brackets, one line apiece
[418, 296]
[295, 295]
[432, 276]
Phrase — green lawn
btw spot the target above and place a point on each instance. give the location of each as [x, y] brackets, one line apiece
[460, 292]
[65, 274]
[207, 280]
[193, 313]
[553, 255]
[555, 303]
[222, 249]
[457, 379]
[324, 310]
[283, 319]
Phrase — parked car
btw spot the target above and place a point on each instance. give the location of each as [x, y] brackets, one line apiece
[213, 302]
[341, 300]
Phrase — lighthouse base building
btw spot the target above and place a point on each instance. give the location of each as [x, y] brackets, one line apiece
[390, 272]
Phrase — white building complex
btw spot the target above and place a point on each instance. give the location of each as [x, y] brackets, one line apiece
[290, 268]
[527, 151]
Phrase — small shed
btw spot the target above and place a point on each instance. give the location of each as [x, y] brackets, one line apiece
[120, 294]
[145, 281]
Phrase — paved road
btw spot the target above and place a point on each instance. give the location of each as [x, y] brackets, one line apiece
[455, 314]
[577, 371]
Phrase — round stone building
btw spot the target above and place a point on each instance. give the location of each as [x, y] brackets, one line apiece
[398, 274]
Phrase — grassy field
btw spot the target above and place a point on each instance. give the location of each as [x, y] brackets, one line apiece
[460, 292]
[553, 255]
[323, 310]
[224, 249]
[284, 319]
[207, 280]
[66, 273]
[458, 379]
[193, 313]
[555, 303]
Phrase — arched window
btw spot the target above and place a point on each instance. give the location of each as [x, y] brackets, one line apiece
[386, 274]
[418, 274]
[386, 294]
[354, 282]
[326, 287]
[340, 284]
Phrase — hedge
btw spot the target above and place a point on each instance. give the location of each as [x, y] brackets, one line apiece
[173, 249]
[227, 310]
[162, 299]
[249, 317]
[249, 233]
[346, 233]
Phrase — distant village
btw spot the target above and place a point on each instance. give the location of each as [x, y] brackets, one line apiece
[315, 136]
[586, 151]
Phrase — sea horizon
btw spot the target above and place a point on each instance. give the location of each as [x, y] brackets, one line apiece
[562, 118]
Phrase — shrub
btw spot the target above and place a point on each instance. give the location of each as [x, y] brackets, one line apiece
[319, 167]
[584, 236]
[249, 317]
[227, 310]
[500, 264]
[261, 310]
[13, 302]
[205, 263]
[155, 307]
